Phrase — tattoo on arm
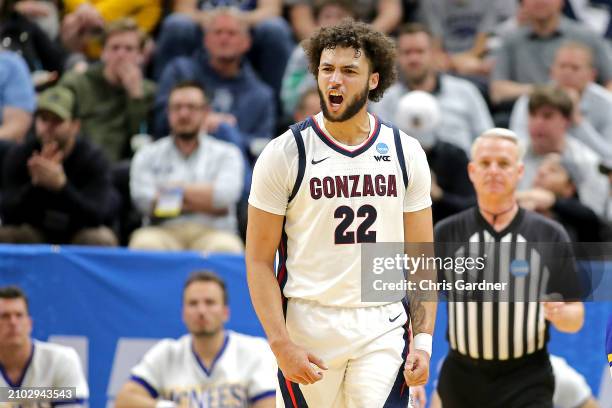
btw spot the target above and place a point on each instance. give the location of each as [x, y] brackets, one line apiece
[417, 314]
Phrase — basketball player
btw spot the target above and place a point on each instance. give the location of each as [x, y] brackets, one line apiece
[332, 182]
[498, 355]
[210, 366]
[25, 362]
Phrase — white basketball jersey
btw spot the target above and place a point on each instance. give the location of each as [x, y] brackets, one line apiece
[335, 197]
[51, 365]
[243, 372]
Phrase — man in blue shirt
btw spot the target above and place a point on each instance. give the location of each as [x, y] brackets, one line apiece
[237, 96]
[17, 98]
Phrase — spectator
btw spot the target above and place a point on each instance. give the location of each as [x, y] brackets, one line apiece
[28, 363]
[591, 121]
[383, 15]
[17, 98]
[45, 57]
[113, 99]
[181, 34]
[418, 115]
[297, 79]
[460, 30]
[464, 112]
[57, 187]
[237, 96]
[554, 194]
[84, 22]
[308, 105]
[199, 176]
[550, 111]
[208, 364]
[526, 53]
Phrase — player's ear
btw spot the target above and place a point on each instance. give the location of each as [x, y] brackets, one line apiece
[373, 81]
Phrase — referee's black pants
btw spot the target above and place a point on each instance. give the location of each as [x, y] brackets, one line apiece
[526, 382]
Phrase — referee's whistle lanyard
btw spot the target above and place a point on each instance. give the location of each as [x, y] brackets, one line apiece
[496, 215]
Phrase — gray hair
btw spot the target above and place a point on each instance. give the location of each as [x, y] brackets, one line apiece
[231, 12]
[500, 133]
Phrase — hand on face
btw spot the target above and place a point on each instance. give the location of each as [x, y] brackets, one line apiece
[46, 169]
[129, 76]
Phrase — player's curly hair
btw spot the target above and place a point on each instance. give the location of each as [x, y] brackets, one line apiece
[377, 47]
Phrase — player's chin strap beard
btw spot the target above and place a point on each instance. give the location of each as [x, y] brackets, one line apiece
[496, 215]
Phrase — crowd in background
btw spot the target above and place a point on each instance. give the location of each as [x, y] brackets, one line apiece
[138, 122]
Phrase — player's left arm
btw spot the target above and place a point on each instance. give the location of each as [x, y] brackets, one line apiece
[418, 233]
[418, 239]
[567, 317]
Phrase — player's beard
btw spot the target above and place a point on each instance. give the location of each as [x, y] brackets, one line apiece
[352, 108]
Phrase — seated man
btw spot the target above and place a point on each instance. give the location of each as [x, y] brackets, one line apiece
[181, 34]
[57, 187]
[189, 182]
[237, 96]
[591, 121]
[209, 363]
[29, 363]
[464, 113]
[114, 100]
[526, 53]
[550, 112]
[554, 194]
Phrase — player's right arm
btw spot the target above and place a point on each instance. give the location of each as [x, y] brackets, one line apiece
[274, 178]
[263, 237]
[134, 395]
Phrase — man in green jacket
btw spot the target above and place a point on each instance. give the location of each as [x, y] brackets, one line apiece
[113, 98]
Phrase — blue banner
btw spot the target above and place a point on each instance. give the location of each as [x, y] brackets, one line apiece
[112, 304]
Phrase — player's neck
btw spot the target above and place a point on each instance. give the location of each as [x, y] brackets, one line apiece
[499, 213]
[208, 347]
[352, 131]
[14, 359]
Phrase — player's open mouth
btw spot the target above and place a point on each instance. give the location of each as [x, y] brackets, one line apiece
[335, 99]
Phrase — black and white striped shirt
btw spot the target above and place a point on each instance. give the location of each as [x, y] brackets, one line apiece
[532, 255]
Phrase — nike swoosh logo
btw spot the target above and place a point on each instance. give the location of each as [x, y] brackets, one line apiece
[318, 161]
[395, 318]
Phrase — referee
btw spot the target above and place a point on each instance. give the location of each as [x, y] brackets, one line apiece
[498, 355]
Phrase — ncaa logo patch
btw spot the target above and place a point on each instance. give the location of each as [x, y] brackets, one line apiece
[519, 268]
[382, 148]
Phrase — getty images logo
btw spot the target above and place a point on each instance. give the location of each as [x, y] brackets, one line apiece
[382, 149]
